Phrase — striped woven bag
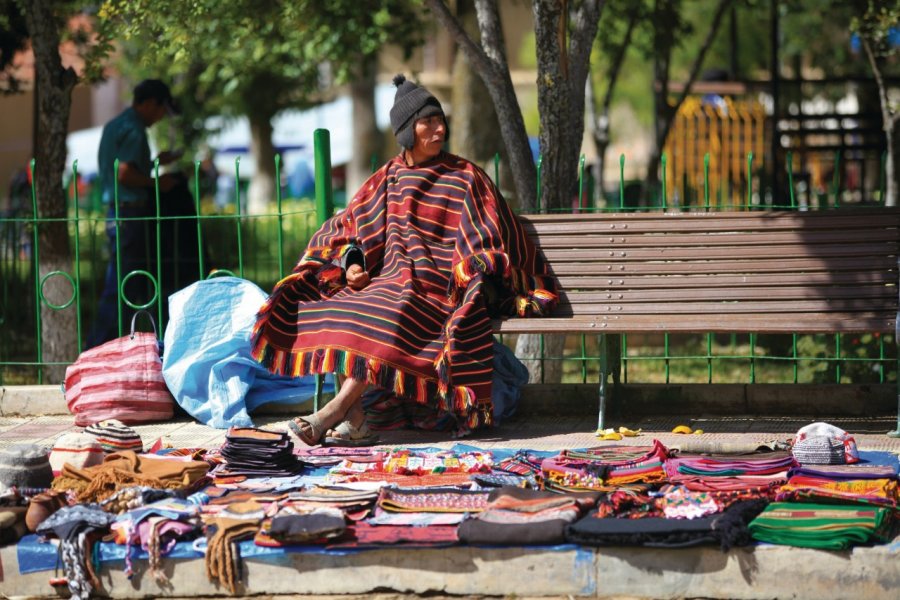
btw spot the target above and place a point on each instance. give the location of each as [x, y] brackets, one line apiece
[121, 379]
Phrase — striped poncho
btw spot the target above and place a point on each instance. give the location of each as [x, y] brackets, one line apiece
[444, 253]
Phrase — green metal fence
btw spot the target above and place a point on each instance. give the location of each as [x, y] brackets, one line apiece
[262, 247]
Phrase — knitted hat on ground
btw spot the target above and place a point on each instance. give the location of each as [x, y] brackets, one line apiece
[25, 466]
[77, 449]
[824, 444]
[115, 436]
[411, 103]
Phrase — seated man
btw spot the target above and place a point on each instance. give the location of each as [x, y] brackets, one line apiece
[397, 291]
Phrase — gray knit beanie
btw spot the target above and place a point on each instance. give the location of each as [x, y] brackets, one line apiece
[411, 103]
[25, 466]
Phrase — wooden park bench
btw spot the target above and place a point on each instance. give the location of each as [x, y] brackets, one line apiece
[828, 271]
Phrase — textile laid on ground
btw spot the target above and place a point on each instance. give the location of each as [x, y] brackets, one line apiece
[872, 464]
[803, 488]
[767, 463]
[364, 535]
[293, 526]
[444, 253]
[239, 521]
[728, 529]
[156, 528]
[826, 526]
[73, 525]
[515, 516]
[258, 452]
[602, 469]
[419, 497]
[125, 469]
[437, 500]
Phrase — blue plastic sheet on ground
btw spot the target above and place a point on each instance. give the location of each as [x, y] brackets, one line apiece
[207, 363]
[880, 457]
[35, 556]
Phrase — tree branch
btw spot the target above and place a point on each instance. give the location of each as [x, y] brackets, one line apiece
[473, 51]
[618, 60]
[887, 116]
[698, 62]
[584, 31]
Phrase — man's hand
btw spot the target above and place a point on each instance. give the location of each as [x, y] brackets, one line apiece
[357, 277]
[167, 182]
[169, 156]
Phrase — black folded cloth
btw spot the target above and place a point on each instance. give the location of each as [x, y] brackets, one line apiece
[727, 529]
[259, 453]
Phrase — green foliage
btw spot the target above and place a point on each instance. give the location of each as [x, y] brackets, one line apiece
[91, 38]
[249, 58]
[873, 20]
[13, 38]
[862, 358]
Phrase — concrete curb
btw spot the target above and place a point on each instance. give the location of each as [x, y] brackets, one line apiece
[833, 400]
[760, 572]
[32, 400]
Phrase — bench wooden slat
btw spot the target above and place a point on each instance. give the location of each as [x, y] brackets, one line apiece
[718, 294]
[680, 306]
[756, 238]
[673, 222]
[792, 265]
[681, 253]
[707, 280]
[709, 323]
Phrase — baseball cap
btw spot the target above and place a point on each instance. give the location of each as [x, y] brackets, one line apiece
[159, 91]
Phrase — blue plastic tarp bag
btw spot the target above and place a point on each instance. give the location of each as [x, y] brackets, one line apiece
[207, 363]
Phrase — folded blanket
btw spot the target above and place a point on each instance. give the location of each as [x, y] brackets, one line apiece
[826, 526]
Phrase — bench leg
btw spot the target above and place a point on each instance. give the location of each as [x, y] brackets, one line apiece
[896, 432]
[317, 396]
[604, 373]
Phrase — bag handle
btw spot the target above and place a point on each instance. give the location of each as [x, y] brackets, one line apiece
[149, 316]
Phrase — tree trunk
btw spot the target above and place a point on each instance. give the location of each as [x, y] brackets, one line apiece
[892, 162]
[262, 185]
[562, 73]
[489, 61]
[476, 132]
[890, 121]
[54, 99]
[563, 56]
[366, 137]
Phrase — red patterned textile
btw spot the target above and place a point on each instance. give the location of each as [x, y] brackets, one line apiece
[363, 535]
[442, 248]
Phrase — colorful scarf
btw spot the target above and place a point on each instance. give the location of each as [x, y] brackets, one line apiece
[445, 253]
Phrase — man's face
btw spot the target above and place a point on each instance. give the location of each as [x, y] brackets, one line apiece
[151, 111]
[430, 134]
[158, 111]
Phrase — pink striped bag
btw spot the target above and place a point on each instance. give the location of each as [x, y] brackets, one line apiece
[121, 379]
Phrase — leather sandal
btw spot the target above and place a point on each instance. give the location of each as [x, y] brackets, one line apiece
[316, 429]
[348, 435]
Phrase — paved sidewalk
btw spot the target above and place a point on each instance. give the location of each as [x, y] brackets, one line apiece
[538, 432]
[763, 571]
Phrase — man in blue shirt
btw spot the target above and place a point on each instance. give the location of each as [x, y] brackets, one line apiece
[133, 186]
